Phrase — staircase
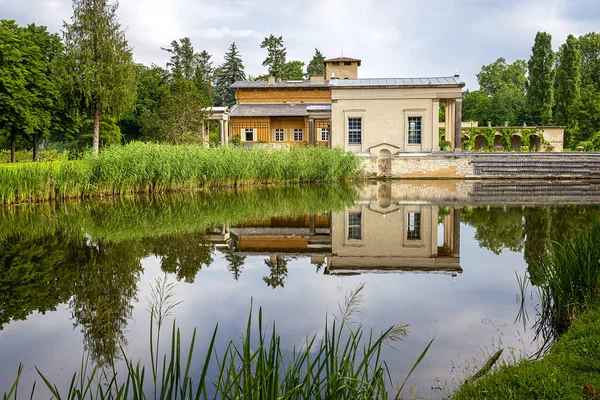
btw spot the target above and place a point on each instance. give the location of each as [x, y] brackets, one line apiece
[573, 165]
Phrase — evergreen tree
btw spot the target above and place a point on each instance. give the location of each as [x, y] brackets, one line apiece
[568, 85]
[184, 60]
[231, 71]
[316, 66]
[292, 70]
[276, 54]
[540, 90]
[99, 74]
[204, 75]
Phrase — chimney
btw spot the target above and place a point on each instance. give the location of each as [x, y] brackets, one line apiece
[271, 80]
[456, 75]
[317, 79]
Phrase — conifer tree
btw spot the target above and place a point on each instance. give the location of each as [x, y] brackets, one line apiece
[231, 71]
[540, 90]
[99, 74]
[568, 85]
[276, 54]
[316, 66]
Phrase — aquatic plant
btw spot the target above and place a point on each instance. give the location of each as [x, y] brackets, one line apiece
[345, 364]
[158, 168]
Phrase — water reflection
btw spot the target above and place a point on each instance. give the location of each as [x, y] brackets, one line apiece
[91, 256]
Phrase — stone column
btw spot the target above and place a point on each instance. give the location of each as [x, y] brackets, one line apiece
[203, 138]
[456, 239]
[226, 135]
[458, 125]
[222, 131]
[311, 131]
[435, 124]
[312, 224]
[449, 121]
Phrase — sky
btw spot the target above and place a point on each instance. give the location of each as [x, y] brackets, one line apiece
[392, 38]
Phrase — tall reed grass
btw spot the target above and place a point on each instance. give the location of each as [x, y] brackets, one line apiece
[151, 168]
[345, 364]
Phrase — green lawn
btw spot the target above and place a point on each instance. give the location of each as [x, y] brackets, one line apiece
[571, 370]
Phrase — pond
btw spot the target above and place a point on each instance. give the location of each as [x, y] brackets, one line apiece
[440, 256]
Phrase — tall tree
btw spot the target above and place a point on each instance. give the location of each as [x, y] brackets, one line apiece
[540, 90]
[316, 66]
[568, 85]
[231, 71]
[184, 60]
[204, 76]
[293, 70]
[276, 54]
[500, 76]
[98, 63]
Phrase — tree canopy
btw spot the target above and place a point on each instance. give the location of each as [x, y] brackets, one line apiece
[316, 66]
[276, 54]
[230, 71]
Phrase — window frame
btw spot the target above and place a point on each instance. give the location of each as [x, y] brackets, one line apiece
[323, 130]
[301, 131]
[354, 229]
[418, 128]
[353, 130]
[246, 131]
[414, 226]
[282, 132]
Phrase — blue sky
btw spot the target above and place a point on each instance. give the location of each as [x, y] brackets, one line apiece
[393, 38]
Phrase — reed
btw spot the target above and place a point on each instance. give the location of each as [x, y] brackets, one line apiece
[345, 364]
[157, 168]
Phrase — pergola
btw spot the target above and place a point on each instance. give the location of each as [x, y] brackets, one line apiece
[220, 114]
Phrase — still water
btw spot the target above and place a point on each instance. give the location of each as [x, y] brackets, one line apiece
[442, 257]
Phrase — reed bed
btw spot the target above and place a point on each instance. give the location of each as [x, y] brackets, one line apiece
[345, 364]
[158, 168]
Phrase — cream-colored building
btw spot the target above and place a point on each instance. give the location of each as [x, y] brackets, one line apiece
[383, 117]
[342, 68]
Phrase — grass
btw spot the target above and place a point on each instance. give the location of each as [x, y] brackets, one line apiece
[570, 370]
[155, 168]
[345, 364]
[568, 321]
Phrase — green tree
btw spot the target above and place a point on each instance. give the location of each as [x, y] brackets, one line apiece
[316, 66]
[568, 85]
[477, 106]
[184, 60]
[540, 89]
[235, 263]
[588, 110]
[231, 71]
[292, 70]
[149, 82]
[589, 45]
[98, 68]
[500, 76]
[110, 134]
[278, 271]
[276, 54]
[204, 75]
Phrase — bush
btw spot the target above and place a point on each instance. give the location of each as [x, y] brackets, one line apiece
[27, 156]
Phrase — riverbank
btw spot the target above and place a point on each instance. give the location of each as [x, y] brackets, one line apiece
[571, 369]
[154, 168]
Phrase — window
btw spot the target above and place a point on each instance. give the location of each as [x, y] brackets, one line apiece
[335, 64]
[414, 130]
[325, 134]
[355, 226]
[279, 135]
[249, 134]
[354, 130]
[298, 134]
[347, 63]
[414, 226]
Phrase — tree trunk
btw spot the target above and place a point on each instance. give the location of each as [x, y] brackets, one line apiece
[13, 148]
[96, 143]
[36, 147]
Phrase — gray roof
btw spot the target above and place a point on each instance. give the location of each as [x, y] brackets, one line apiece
[272, 109]
[449, 81]
[319, 107]
[306, 83]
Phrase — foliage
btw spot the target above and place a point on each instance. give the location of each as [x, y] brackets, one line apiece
[24, 156]
[540, 89]
[500, 77]
[231, 71]
[276, 55]
[568, 85]
[98, 73]
[152, 168]
[477, 106]
[316, 66]
[505, 134]
[345, 363]
[292, 70]
[110, 134]
[569, 371]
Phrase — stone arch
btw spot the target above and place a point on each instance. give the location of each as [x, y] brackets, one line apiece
[515, 143]
[385, 162]
[480, 142]
[498, 140]
[384, 195]
[535, 143]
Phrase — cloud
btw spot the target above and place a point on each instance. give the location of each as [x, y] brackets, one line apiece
[393, 38]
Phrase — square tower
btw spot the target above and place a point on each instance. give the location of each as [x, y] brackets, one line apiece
[341, 68]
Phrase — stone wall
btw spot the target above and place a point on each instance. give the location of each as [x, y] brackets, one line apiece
[420, 167]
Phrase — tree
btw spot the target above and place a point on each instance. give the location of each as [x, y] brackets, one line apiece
[278, 271]
[540, 90]
[99, 74]
[568, 85]
[231, 71]
[276, 54]
[589, 45]
[500, 76]
[204, 75]
[316, 66]
[477, 106]
[292, 70]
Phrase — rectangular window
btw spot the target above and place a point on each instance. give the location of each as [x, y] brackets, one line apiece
[354, 130]
[298, 135]
[354, 226]
[414, 226]
[279, 135]
[249, 134]
[347, 63]
[325, 134]
[414, 130]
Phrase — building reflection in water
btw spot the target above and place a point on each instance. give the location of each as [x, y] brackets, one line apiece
[376, 235]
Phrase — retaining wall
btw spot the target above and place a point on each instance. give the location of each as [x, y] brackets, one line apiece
[485, 165]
